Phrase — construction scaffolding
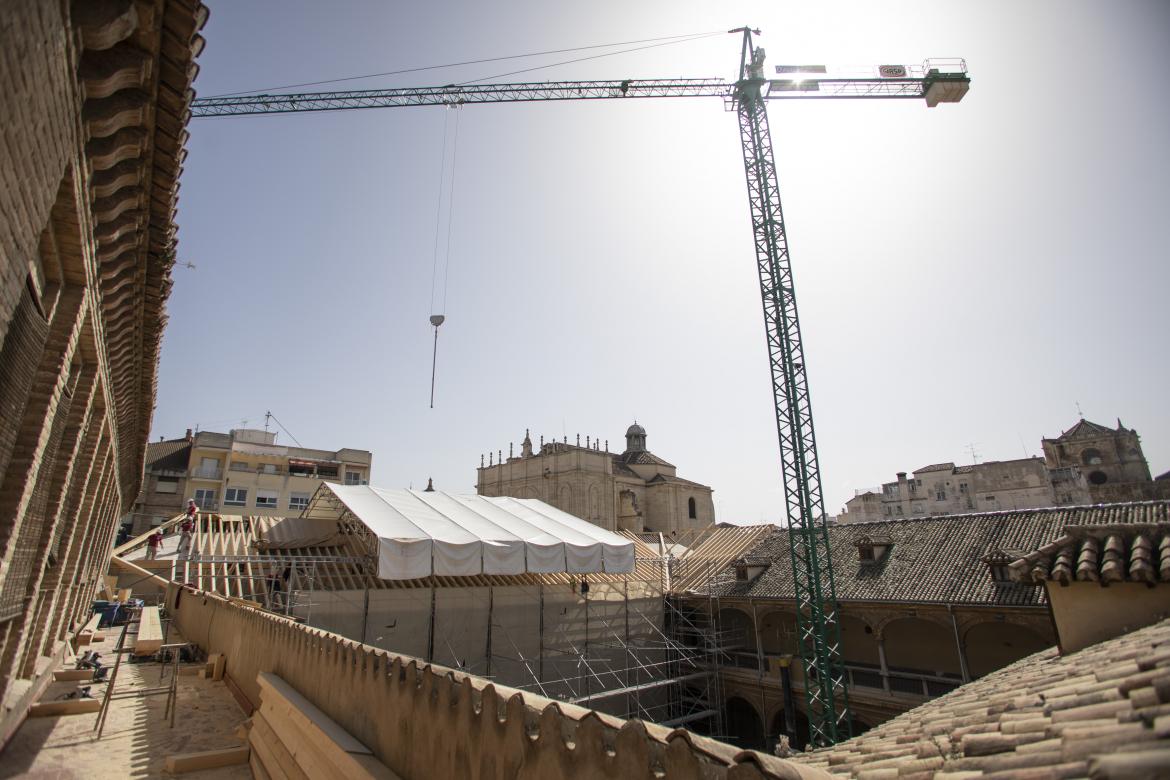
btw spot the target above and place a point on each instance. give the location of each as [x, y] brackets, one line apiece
[623, 644]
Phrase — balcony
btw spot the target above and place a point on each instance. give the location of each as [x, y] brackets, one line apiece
[207, 473]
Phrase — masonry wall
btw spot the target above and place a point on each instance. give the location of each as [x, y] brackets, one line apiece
[426, 721]
[87, 199]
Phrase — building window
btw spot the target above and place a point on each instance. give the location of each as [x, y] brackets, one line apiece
[1091, 457]
[940, 494]
[167, 485]
[205, 499]
[962, 487]
[1097, 478]
[266, 499]
[269, 468]
[235, 497]
[353, 478]
[298, 501]
[691, 513]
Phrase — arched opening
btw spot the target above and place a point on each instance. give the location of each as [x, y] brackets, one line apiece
[743, 724]
[565, 499]
[990, 646]
[778, 633]
[1091, 457]
[797, 731]
[691, 513]
[919, 646]
[1097, 478]
[736, 630]
[858, 643]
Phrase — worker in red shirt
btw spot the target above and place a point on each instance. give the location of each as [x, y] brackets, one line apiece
[187, 528]
[153, 543]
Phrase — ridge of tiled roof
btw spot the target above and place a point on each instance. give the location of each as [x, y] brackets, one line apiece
[935, 467]
[675, 481]
[1103, 554]
[172, 454]
[1085, 429]
[935, 559]
[1099, 712]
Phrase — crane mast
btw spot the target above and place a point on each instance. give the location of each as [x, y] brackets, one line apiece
[938, 81]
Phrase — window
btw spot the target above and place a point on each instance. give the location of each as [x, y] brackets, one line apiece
[865, 553]
[235, 497]
[269, 468]
[940, 494]
[327, 472]
[205, 499]
[1097, 478]
[962, 487]
[266, 498]
[167, 485]
[353, 478]
[691, 508]
[298, 501]
[1091, 457]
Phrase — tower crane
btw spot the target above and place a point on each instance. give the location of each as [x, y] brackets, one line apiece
[936, 81]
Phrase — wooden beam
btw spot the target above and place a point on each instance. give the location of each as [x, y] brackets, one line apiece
[150, 635]
[73, 674]
[46, 709]
[290, 715]
[208, 759]
[86, 634]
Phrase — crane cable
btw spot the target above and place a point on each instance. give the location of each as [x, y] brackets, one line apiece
[437, 318]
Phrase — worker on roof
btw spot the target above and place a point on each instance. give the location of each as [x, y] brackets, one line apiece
[186, 529]
[153, 543]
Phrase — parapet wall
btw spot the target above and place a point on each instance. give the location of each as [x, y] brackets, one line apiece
[427, 721]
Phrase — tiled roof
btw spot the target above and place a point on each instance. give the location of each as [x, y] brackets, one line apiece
[642, 457]
[1103, 554]
[1086, 430]
[936, 467]
[170, 455]
[1100, 712]
[935, 559]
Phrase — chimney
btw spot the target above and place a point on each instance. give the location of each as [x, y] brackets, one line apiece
[189, 436]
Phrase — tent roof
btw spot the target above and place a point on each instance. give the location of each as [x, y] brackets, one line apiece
[421, 533]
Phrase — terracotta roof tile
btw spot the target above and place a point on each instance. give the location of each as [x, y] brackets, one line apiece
[1083, 714]
[937, 559]
[1117, 552]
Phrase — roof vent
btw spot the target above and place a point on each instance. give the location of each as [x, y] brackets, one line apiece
[999, 563]
[872, 549]
[748, 568]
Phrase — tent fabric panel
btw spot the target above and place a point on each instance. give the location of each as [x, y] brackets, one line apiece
[404, 559]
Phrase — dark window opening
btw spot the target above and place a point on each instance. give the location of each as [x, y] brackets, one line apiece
[691, 508]
[1098, 477]
[1091, 457]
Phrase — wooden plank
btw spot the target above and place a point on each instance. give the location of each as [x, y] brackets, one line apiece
[337, 746]
[150, 637]
[124, 594]
[279, 688]
[46, 709]
[307, 754]
[284, 758]
[258, 770]
[73, 674]
[265, 757]
[218, 667]
[110, 587]
[86, 634]
[208, 759]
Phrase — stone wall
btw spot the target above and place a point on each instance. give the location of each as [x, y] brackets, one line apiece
[427, 721]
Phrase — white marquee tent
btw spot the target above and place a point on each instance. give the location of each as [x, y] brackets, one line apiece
[424, 533]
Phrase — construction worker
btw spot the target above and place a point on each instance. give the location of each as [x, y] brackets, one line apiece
[186, 529]
[153, 543]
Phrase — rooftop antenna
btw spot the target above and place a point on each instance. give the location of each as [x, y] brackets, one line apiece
[974, 452]
[1079, 412]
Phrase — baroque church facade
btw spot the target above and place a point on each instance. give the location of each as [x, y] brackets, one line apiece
[632, 491]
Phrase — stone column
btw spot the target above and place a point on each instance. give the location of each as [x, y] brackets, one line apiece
[881, 644]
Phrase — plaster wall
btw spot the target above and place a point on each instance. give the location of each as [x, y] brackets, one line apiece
[1086, 613]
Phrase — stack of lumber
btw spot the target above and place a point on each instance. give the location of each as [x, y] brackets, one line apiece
[213, 670]
[291, 738]
[150, 635]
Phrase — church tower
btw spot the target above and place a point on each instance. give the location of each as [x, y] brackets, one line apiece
[635, 438]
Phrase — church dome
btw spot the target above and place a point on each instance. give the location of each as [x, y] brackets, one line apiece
[635, 430]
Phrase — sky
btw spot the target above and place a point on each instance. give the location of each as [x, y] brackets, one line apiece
[967, 276]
